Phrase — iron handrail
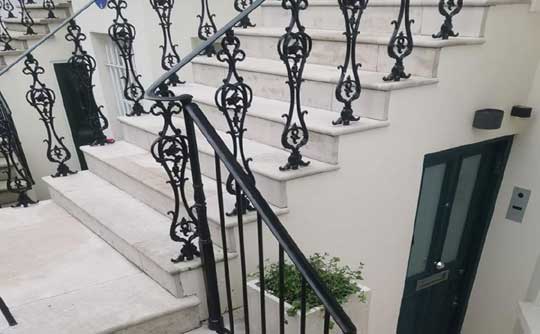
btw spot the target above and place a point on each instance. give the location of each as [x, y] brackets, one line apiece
[273, 223]
[151, 92]
[46, 37]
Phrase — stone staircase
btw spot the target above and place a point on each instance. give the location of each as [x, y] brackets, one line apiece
[124, 198]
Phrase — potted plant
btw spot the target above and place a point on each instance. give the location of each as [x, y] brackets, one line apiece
[342, 281]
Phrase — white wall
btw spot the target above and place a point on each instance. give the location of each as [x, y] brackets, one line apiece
[511, 249]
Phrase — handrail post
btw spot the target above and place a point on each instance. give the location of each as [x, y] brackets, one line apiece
[448, 9]
[206, 248]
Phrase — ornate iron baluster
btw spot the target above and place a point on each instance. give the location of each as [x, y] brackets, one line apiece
[84, 66]
[5, 37]
[169, 55]
[30, 2]
[233, 99]
[19, 179]
[401, 43]
[207, 27]
[170, 150]
[49, 6]
[448, 9]
[42, 99]
[26, 19]
[348, 88]
[294, 48]
[8, 7]
[123, 34]
[240, 6]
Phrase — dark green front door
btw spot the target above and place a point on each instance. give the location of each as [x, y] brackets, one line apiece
[457, 196]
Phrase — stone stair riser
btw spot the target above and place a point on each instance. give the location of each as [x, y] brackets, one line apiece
[373, 57]
[372, 103]
[376, 19]
[274, 191]
[40, 13]
[38, 28]
[321, 146]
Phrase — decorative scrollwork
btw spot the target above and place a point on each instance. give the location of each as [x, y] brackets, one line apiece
[207, 27]
[84, 66]
[233, 99]
[170, 150]
[401, 43]
[19, 179]
[26, 19]
[8, 7]
[348, 88]
[240, 6]
[169, 54]
[448, 9]
[50, 7]
[5, 37]
[123, 34]
[294, 48]
[42, 98]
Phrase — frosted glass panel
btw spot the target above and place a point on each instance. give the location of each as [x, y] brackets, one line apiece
[425, 218]
[460, 207]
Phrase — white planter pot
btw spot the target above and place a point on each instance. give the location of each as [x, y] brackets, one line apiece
[355, 308]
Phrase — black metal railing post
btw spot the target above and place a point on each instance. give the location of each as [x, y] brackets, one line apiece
[50, 7]
[7, 6]
[5, 37]
[123, 34]
[349, 88]
[294, 48]
[207, 27]
[448, 9]
[215, 319]
[170, 150]
[19, 178]
[42, 99]
[401, 43]
[83, 68]
[26, 19]
[240, 6]
[233, 100]
[169, 54]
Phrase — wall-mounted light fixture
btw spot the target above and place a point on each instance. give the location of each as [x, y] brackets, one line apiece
[488, 119]
[521, 111]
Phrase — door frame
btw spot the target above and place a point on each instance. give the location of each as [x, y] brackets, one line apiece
[502, 152]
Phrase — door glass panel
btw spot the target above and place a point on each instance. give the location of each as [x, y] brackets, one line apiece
[425, 218]
[460, 207]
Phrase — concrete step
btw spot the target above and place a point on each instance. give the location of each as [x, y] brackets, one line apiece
[325, 14]
[41, 25]
[76, 283]
[6, 197]
[330, 48]
[142, 131]
[264, 123]
[135, 171]
[37, 11]
[267, 79]
[135, 230]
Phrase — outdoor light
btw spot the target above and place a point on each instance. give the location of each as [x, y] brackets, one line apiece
[521, 111]
[488, 119]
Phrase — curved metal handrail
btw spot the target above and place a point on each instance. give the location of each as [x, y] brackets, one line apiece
[46, 37]
[272, 221]
[151, 91]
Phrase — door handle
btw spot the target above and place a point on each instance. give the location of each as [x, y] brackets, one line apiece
[440, 265]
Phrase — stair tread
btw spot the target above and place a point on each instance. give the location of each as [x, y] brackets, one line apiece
[40, 21]
[142, 227]
[79, 277]
[40, 6]
[322, 73]
[21, 36]
[140, 165]
[320, 120]
[266, 159]
[336, 35]
[11, 52]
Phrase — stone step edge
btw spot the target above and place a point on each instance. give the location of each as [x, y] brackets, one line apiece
[229, 222]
